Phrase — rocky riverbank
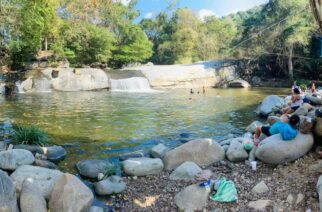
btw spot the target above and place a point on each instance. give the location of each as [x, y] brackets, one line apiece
[285, 179]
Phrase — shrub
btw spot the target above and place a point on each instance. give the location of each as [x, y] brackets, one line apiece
[31, 135]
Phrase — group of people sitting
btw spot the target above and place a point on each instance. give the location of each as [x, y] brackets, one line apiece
[287, 124]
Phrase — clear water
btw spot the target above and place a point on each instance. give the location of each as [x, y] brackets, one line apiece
[103, 124]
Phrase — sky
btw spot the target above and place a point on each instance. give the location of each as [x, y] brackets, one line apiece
[150, 8]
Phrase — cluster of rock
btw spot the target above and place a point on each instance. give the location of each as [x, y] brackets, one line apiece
[35, 185]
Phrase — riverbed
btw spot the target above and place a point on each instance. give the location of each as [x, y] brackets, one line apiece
[104, 124]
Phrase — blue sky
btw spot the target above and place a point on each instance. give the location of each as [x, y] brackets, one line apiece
[150, 8]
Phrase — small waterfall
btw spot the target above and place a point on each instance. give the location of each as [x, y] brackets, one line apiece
[19, 87]
[134, 84]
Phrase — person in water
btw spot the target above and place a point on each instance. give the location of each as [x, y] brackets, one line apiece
[297, 101]
[286, 127]
[203, 90]
[191, 91]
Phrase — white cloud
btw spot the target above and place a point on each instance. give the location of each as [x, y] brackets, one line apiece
[203, 13]
[148, 15]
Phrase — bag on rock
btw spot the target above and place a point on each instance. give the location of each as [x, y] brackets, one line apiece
[226, 192]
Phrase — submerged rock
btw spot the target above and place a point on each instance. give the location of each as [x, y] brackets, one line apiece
[8, 199]
[192, 198]
[30, 198]
[186, 171]
[12, 159]
[112, 185]
[70, 194]
[91, 168]
[45, 179]
[269, 103]
[236, 151]
[275, 150]
[142, 166]
[201, 151]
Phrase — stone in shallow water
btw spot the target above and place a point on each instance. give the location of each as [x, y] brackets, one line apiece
[12, 159]
[91, 168]
[8, 199]
[55, 153]
[142, 166]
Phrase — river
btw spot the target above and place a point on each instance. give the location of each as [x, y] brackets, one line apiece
[104, 124]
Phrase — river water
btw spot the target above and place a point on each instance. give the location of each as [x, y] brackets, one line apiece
[104, 124]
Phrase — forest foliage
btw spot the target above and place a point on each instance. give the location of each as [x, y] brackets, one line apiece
[278, 38]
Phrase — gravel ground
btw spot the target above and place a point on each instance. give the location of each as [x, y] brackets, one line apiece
[156, 193]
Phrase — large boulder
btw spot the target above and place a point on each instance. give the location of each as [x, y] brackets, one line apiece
[112, 185]
[8, 199]
[55, 153]
[70, 194]
[239, 84]
[318, 127]
[12, 159]
[192, 198]
[44, 179]
[274, 150]
[315, 100]
[91, 168]
[236, 151]
[80, 79]
[142, 166]
[269, 103]
[201, 151]
[30, 198]
[186, 171]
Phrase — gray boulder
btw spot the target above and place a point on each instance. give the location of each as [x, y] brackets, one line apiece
[269, 103]
[186, 171]
[30, 198]
[201, 151]
[45, 164]
[274, 150]
[192, 198]
[260, 188]
[252, 127]
[70, 194]
[91, 168]
[142, 166]
[319, 190]
[32, 148]
[55, 153]
[112, 185]
[44, 179]
[12, 159]
[236, 151]
[313, 99]
[8, 199]
[159, 151]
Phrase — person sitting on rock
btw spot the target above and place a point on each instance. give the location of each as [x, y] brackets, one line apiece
[297, 101]
[286, 128]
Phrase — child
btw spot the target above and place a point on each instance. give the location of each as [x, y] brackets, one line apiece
[296, 102]
[286, 128]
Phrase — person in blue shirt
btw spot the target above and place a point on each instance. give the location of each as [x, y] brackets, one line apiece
[286, 127]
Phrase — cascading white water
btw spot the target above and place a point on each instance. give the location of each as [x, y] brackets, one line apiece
[134, 84]
[19, 88]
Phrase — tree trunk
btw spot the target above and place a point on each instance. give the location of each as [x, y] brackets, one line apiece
[46, 44]
[290, 64]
